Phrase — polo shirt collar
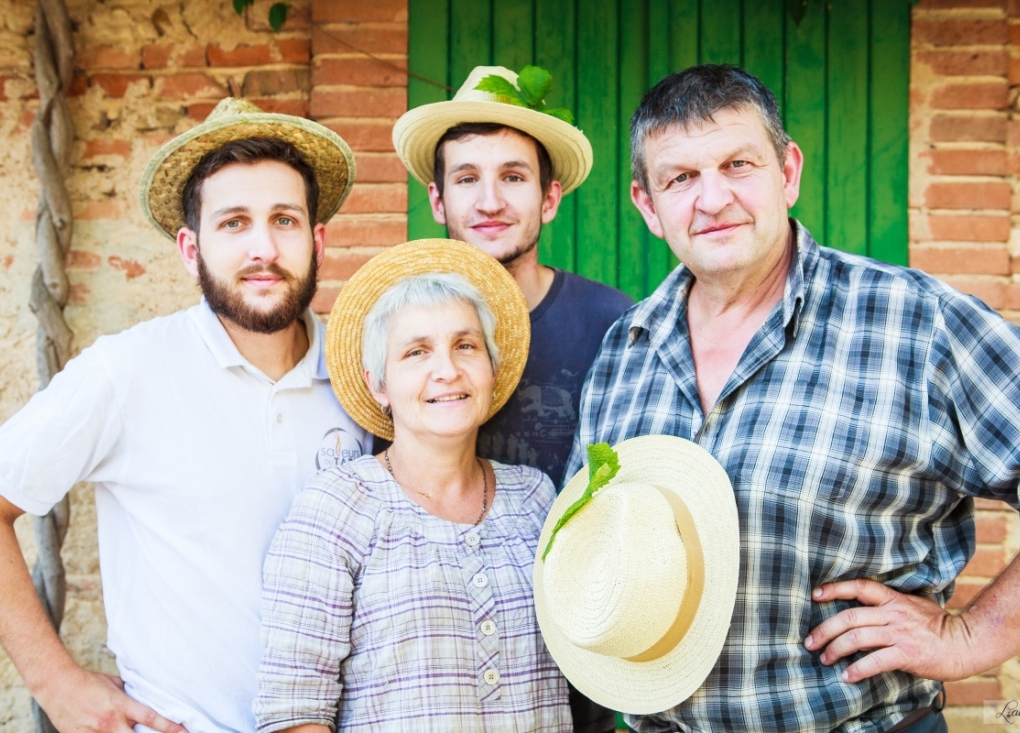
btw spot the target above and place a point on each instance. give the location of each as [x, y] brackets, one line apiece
[316, 344]
[223, 350]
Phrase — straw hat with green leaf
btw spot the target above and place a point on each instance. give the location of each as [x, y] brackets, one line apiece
[498, 95]
[636, 572]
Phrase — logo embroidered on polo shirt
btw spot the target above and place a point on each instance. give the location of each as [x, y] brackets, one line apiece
[337, 447]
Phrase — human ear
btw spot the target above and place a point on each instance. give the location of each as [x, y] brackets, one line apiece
[646, 206]
[551, 202]
[187, 246]
[792, 168]
[379, 395]
[436, 202]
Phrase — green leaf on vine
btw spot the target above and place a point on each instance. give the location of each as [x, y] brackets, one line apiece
[278, 15]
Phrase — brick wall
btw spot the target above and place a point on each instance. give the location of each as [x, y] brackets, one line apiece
[361, 97]
[964, 217]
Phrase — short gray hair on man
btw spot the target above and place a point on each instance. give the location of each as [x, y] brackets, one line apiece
[421, 291]
[693, 96]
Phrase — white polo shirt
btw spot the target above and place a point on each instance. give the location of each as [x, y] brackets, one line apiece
[195, 455]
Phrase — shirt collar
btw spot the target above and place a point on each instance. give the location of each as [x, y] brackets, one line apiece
[218, 341]
[801, 271]
[316, 344]
[659, 313]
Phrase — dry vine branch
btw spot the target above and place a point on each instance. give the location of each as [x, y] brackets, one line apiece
[52, 135]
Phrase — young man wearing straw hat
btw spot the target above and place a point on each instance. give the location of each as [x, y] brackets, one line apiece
[857, 407]
[197, 429]
[496, 172]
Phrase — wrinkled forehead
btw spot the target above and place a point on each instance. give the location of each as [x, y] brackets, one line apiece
[697, 126]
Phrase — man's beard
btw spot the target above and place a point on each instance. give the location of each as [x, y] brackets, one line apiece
[510, 257]
[230, 304]
[507, 259]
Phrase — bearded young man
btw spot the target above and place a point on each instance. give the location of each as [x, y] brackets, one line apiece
[496, 172]
[197, 429]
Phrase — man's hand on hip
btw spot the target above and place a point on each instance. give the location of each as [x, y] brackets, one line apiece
[96, 703]
[902, 632]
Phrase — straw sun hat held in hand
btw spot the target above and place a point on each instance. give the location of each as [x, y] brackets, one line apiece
[635, 595]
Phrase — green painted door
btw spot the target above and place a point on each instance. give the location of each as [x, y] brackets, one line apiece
[840, 72]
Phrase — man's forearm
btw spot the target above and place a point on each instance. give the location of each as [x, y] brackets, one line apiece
[993, 619]
[26, 632]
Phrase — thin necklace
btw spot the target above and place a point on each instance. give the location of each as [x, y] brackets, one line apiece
[485, 484]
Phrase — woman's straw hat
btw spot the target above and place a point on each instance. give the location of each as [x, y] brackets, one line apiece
[418, 131]
[635, 597]
[238, 119]
[359, 295]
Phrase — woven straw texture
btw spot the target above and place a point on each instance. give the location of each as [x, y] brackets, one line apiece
[417, 132]
[238, 119]
[597, 586]
[346, 320]
[677, 466]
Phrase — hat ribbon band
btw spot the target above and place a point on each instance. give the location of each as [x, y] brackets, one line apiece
[695, 582]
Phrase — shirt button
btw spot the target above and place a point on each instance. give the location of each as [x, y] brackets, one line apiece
[491, 676]
[488, 627]
[480, 581]
[279, 417]
[472, 539]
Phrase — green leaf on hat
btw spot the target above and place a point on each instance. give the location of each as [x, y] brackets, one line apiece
[240, 5]
[561, 113]
[535, 83]
[504, 90]
[603, 465]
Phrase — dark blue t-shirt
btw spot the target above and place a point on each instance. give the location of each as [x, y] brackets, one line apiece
[536, 426]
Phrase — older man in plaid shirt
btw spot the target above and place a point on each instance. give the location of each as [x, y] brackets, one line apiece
[857, 407]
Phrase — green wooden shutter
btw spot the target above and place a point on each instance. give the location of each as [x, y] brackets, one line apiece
[841, 75]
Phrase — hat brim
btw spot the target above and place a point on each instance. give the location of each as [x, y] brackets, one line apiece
[418, 131]
[346, 320]
[642, 688]
[171, 166]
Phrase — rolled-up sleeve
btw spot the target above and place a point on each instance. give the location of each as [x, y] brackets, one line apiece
[974, 400]
[307, 605]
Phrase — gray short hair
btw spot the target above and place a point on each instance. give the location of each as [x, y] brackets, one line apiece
[421, 291]
[692, 96]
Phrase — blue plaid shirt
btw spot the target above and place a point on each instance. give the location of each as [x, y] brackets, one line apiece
[870, 407]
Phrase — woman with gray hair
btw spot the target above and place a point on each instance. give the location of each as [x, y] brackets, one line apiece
[398, 592]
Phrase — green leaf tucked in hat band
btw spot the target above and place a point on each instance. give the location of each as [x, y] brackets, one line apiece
[533, 85]
[603, 464]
